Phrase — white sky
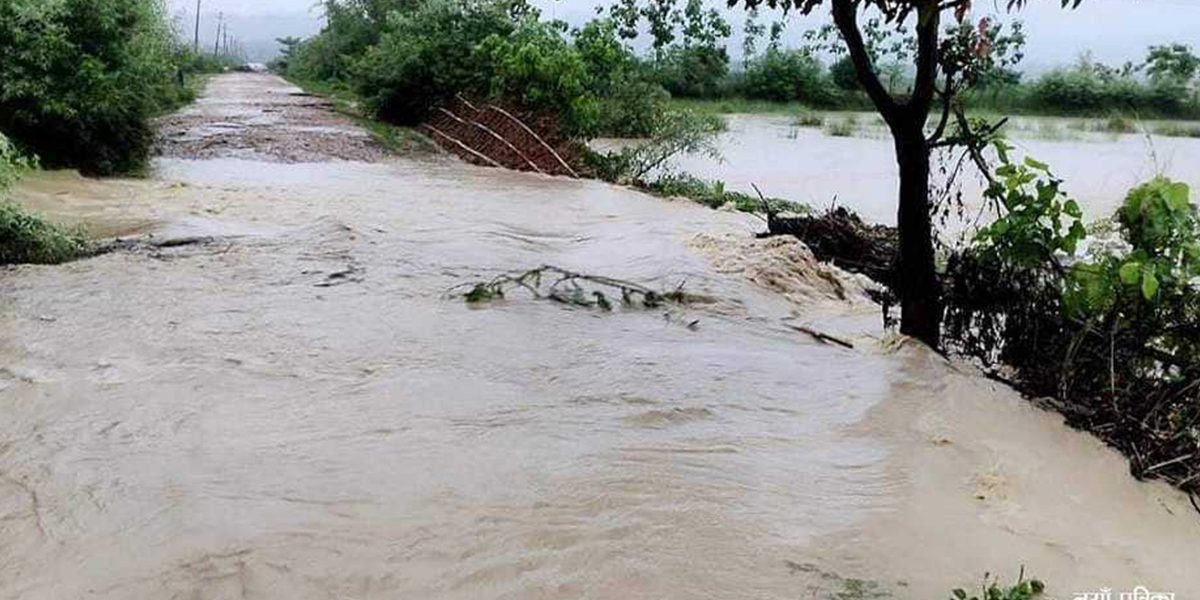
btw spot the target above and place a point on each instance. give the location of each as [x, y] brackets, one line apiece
[1114, 30]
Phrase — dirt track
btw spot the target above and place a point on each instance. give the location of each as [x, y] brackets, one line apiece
[262, 117]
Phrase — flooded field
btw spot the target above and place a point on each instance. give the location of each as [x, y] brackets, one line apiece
[292, 406]
[806, 164]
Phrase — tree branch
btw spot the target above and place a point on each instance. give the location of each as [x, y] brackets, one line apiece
[928, 21]
[845, 17]
[947, 107]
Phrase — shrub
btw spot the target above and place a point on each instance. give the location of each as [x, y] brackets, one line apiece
[80, 80]
[1112, 337]
[693, 71]
[26, 239]
[535, 66]
[1091, 90]
[628, 102]
[844, 75]
[427, 55]
[23, 237]
[1069, 91]
[788, 75]
[675, 133]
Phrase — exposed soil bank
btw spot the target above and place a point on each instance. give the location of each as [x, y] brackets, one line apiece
[295, 410]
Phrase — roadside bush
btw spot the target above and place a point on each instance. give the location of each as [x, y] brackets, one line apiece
[26, 239]
[535, 66]
[23, 237]
[787, 76]
[427, 55]
[80, 80]
[1112, 337]
[627, 102]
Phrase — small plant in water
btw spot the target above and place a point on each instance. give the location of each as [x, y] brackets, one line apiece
[844, 128]
[992, 590]
[807, 118]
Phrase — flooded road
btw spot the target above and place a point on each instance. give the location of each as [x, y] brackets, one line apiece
[293, 407]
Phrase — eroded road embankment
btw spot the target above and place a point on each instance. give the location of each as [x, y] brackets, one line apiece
[296, 410]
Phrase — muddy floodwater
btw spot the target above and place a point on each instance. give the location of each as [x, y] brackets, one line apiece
[859, 171]
[291, 406]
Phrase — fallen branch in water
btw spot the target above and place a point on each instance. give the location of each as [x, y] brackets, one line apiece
[565, 286]
[824, 338]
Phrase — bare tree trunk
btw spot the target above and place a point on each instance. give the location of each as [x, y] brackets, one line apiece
[920, 294]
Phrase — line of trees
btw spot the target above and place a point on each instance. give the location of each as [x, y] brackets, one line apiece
[403, 57]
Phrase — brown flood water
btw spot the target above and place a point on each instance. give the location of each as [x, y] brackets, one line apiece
[296, 410]
[807, 165]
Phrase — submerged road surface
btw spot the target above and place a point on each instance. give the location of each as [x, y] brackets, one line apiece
[292, 406]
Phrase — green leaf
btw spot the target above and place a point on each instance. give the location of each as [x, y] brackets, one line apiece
[1177, 197]
[1130, 273]
[1149, 285]
[1036, 164]
[960, 594]
[1072, 209]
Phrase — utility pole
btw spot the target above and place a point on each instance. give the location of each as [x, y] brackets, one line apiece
[217, 43]
[197, 26]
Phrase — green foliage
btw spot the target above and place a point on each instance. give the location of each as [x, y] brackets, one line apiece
[80, 80]
[1174, 62]
[1090, 89]
[497, 48]
[26, 239]
[844, 75]
[715, 194]
[427, 55]
[992, 590]
[538, 68]
[12, 163]
[628, 102]
[1037, 220]
[789, 75]
[693, 71]
[1112, 336]
[1159, 225]
[675, 133]
[846, 127]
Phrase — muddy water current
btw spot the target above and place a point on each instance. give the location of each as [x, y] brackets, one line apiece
[292, 406]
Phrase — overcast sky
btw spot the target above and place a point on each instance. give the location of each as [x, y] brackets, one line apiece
[1114, 30]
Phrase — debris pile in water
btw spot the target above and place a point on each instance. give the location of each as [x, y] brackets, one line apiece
[568, 287]
[840, 237]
